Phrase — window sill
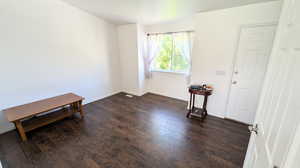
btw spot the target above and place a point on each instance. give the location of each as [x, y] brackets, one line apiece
[170, 72]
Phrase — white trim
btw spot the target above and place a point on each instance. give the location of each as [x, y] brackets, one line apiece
[163, 33]
[7, 128]
[101, 97]
[216, 115]
[235, 57]
[173, 72]
[291, 155]
[172, 55]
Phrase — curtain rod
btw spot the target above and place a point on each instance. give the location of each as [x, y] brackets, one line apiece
[188, 31]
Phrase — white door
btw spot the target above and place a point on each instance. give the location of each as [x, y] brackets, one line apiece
[293, 158]
[276, 144]
[253, 51]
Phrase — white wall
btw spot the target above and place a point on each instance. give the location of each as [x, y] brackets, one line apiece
[128, 44]
[168, 84]
[214, 50]
[141, 51]
[48, 48]
[215, 46]
[132, 70]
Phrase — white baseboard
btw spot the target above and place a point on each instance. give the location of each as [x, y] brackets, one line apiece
[7, 128]
[216, 115]
[227, 118]
[101, 97]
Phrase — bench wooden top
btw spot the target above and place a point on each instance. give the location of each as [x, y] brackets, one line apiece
[32, 109]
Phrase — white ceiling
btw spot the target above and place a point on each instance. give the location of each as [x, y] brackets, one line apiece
[152, 11]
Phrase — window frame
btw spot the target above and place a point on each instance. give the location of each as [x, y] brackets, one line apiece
[172, 56]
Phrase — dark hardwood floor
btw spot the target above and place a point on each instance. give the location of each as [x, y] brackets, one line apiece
[119, 132]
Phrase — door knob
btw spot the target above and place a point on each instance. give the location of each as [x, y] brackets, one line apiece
[253, 128]
[234, 82]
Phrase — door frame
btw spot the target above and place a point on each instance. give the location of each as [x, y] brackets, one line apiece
[233, 64]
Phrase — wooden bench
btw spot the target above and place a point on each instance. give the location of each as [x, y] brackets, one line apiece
[30, 116]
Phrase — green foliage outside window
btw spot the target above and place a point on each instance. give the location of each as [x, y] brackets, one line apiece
[170, 56]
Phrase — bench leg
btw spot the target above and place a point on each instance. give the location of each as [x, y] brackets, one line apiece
[80, 109]
[73, 107]
[21, 131]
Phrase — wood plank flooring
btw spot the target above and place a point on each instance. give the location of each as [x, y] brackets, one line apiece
[150, 131]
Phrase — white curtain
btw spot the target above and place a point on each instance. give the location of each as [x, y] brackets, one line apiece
[153, 44]
[185, 44]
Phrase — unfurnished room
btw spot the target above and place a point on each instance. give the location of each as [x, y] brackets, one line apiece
[149, 83]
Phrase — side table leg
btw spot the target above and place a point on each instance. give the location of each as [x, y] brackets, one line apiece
[204, 105]
[21, 131]
[72, 108]
[193, 106]
[190, 106]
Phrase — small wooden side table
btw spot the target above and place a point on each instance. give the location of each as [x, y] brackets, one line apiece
[198, 112]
